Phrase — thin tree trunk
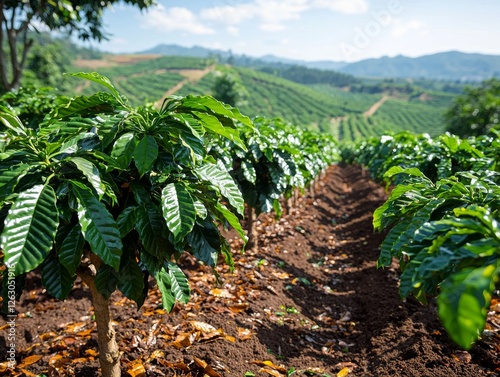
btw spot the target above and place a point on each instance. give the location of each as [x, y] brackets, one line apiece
[109, 353]
[251, 230]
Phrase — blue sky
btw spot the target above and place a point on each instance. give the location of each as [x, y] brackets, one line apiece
[345, 30]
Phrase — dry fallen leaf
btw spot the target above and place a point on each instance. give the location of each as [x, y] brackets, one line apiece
[202, 326]
[29, 360]
[136, 369]
[244, 334]
[239, 308]
[184, 340]
[224, 293]
[343, 372]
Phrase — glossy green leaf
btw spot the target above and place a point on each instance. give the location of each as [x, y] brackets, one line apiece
[231, 219]
[201, 247]
[153, 232]
[179, 285]
[178, 210]
[123, 149]
[106, 280]
[126, 221]
[56, 278]
[90, 171]
[224, 183]
[98, 226]
[145, 154]
[30, 228]
[70, 253]
[165, 286]
[12, 122]
[99, 79]
[131, 281]
[464, 302]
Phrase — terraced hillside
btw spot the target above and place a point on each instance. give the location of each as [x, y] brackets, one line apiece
[346, 115]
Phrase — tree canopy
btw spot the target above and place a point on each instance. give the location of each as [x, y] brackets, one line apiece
[477, 111]
[17, 18]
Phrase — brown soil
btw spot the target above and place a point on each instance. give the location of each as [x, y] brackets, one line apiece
[372, 110]
[309, 298]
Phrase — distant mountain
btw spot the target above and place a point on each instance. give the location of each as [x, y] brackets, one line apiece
[451, 65]
[326, 65]
[195, 51]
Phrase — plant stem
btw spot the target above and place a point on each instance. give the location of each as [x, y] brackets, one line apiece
[109, 353]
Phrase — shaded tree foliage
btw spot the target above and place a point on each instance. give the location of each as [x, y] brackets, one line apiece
[477, 111]
[81, 17]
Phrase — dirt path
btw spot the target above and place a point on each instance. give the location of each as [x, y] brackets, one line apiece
[191, 75]
[372, 110]
[309, 299]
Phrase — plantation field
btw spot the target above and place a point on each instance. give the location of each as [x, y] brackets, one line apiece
[332, 110]
[309, 302]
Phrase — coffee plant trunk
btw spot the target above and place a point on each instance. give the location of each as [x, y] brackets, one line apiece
[251, 217]
[109, 353]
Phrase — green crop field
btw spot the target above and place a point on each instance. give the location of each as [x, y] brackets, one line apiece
[323, 107]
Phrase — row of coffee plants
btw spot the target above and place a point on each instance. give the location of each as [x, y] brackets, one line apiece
[280, 160]
[115, 194]
[443, 221]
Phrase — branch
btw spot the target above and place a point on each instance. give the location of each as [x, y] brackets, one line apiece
[3, 63]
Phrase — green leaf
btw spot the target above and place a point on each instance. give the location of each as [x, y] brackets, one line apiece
[126, 221]
[213, 124]
[106, 280]
[165, 287]
[56, 278]
[81, 106]
[231, 219]
[201, 246]
[99, 79]
[9, 178]
[464, 302]
[410, 171]
[91, 172]
[12, 122]
[221, 179]
[145, 154]
[123, 149]
[131, 281]
[153, 232]
[386, 249]
[179, 285]
[98, 226]
[30, 228]
[70, 253]
[178, 210]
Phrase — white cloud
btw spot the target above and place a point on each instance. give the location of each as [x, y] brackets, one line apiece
[233, 30]
[401, 28]
[343, 6]
[273, 13]
[272, 27]
[175, 18]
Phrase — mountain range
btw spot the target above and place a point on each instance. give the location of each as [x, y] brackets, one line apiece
[452, 65]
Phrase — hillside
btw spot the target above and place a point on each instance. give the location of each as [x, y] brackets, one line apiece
[452, 65]
[337, 111]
